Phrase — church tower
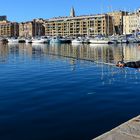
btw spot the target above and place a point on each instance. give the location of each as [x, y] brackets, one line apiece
[72, 12]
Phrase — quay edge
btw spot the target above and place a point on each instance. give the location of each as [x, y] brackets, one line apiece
[128, 131]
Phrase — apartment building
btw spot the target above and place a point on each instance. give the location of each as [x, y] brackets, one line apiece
[79, 25]
[8, 29]
[117, 20]
[131, 23]
[32, 28]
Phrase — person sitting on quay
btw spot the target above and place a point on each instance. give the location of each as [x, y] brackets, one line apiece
[134, 64]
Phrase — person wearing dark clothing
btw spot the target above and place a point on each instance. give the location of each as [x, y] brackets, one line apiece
[135, 64]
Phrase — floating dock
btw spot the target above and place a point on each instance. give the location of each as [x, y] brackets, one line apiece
[127, 131]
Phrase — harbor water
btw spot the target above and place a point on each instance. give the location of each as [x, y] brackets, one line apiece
[65, 92]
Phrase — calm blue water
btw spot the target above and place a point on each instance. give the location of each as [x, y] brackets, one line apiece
[49, 93]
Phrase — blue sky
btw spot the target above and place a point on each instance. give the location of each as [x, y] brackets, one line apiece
[24, 10]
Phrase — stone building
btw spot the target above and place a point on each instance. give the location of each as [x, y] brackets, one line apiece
[117, 20]
[79, 25]
[72, 12]
[9, 29]
[131, 23]
[32, 28]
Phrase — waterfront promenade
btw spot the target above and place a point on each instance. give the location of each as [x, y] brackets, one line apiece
[127, 131]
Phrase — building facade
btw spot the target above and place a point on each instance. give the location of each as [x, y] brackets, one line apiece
[31, 28]
[79, 25]
[9, 29]
[15, 29]
[131, 23]
[117, 20]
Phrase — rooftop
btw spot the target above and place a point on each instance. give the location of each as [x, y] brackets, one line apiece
[76, 17]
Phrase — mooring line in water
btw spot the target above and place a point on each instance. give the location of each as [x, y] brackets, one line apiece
[111, 64]
[97, 62]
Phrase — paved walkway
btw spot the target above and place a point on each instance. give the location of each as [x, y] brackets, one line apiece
[127, 131]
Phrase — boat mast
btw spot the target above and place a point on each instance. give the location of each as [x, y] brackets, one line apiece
[113, 23]
[136, 23]
[102, 17]
[108, 23]
[35, 27]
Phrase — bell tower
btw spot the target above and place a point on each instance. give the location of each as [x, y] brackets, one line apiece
[72, 12]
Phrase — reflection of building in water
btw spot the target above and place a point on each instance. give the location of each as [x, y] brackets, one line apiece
[131, 52]
[3, 53]
[85, 52]
[107, 54]
[107, 74]
[25, 49]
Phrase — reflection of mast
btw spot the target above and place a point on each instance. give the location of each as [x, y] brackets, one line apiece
[122, 54]
[73, 64]
[102, 55]
[125, 22]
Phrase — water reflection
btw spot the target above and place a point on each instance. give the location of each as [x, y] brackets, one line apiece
[4, 50]
[48, 93]
[100, 53]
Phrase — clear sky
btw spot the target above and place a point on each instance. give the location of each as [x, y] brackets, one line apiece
[24, 10]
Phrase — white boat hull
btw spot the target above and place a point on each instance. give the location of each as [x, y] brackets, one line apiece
[28, 41]
[13, 41]
[92, 41]
[37, 41]
[77, 42]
